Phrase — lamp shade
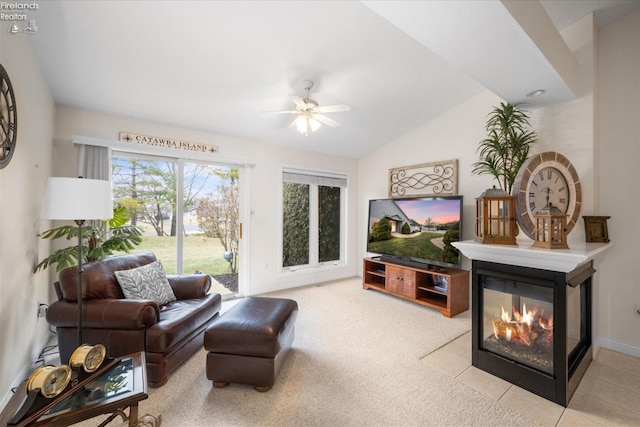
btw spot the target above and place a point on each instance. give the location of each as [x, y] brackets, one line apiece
[77, 199]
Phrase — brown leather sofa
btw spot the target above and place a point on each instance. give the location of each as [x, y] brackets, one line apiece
[168, 335]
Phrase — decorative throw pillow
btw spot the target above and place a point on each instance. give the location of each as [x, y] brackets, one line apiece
[146, 282]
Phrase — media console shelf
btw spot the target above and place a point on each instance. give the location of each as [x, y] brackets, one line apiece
[447, 291]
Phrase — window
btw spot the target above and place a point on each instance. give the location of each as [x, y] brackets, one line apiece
[313, 218]
[188, 212]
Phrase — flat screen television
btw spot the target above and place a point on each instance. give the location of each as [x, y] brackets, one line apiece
[416, 231]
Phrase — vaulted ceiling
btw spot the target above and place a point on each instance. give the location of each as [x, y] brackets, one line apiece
[217, 66]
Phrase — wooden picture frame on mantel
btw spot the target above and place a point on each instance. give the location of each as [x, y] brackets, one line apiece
[427, 179]
[595, 228]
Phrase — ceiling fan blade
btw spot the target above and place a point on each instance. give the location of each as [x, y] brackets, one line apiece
[334, 108]
[281, 112]
[298, 101]
[326, 120]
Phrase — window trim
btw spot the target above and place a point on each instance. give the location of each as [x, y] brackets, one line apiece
[309, 176]
[244, 170]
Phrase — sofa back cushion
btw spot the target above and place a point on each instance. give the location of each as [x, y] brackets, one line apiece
[99, 276]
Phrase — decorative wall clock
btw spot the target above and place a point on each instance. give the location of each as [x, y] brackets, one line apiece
[544, 180]
[8, 119]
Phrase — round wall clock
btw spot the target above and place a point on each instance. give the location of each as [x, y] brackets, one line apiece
[546, 179]
[8, 119]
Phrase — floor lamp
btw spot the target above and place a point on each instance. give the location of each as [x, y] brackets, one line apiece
[79, 200]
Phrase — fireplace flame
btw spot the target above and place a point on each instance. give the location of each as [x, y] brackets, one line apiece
[526, 316]
[546, 323]
[505, 316]
[525, 328]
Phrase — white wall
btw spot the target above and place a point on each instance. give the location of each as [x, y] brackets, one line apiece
[261, 228]
[453, 135]
[22, 334]
[619, 154]
[571, 128]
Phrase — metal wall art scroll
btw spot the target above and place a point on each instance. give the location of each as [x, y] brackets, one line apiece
[429, 179]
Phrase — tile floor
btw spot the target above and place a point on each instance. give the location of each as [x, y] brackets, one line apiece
[608, 395]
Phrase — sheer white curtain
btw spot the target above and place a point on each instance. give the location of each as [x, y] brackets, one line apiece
[94, 162]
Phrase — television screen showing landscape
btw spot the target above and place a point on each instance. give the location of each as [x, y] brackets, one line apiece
[418, 229]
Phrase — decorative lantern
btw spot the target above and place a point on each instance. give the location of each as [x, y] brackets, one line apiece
[495, 220]
[550, 230]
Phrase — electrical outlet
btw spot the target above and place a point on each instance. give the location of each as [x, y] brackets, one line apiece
[42, 310]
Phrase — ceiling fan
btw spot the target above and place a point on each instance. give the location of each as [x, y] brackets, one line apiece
[310, 116]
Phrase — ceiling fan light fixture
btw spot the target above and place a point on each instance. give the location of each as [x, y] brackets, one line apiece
[315, 125]
[305, 123]
[301, 124]
[309, 115]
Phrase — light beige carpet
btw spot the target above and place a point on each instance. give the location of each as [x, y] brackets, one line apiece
[356, 361]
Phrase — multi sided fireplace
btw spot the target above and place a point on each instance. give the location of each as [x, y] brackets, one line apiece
[532, 327]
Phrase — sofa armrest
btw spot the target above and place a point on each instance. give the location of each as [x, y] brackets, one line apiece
[105, 313]
[190, 286]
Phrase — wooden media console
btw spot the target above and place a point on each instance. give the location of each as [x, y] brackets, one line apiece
[446, 290]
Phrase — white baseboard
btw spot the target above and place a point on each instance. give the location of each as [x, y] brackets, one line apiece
[619, 347]
[300, 284]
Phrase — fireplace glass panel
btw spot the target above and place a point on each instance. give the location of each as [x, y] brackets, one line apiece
[518, 322]
[575, 331]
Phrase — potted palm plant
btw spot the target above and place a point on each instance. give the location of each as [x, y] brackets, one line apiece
[100, 239]
[501, 153]
[506, 146]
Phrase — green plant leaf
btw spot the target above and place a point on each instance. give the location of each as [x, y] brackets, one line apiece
[507, 145]
[99, 239]
[64, 258]
[120, 217]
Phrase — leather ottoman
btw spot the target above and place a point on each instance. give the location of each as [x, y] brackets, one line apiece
[248, 343]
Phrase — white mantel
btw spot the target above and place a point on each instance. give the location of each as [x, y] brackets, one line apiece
[524, 254]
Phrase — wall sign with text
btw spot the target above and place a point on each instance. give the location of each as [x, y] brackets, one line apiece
[156, 141]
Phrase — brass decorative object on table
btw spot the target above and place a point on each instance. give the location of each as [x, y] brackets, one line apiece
[49, 380]
[88, 357]
[63, 396]
[49, 385]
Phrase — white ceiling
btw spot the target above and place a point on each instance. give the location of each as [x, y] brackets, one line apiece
[216, 66]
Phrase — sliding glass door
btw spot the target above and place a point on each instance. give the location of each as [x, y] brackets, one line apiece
[188, 212]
